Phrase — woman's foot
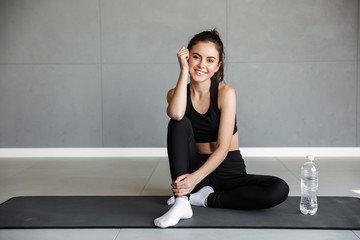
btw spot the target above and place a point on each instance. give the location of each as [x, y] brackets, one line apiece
[196, 199]
[199, 198]
[180, 210]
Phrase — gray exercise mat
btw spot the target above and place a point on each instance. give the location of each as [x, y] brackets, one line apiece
[139, 212]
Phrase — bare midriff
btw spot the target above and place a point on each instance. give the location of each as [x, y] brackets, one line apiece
[210, 147]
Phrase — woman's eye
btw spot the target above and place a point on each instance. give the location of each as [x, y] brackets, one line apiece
[210, 61]
[196, 57]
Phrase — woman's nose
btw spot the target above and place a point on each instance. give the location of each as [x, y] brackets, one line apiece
[201, 63]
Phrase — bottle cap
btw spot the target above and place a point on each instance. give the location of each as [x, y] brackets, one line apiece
[310, 157]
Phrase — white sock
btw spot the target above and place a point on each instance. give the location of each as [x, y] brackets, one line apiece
[196, 199]
[180, 210]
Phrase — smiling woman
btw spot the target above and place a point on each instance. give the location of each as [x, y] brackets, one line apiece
[206, 166]
[215, 53]
[203, 61]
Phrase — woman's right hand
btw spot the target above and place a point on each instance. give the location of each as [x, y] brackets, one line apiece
[183, 57]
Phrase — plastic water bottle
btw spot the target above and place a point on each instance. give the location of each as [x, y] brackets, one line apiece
[309, 187]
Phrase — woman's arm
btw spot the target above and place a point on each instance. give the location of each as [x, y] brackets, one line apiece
[227, 103]
[177, 96]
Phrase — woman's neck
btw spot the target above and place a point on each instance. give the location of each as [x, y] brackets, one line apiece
[200, 88]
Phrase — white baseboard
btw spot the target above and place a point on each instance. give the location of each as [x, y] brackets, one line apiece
[162, 152]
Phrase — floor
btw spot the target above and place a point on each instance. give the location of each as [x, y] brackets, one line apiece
[150, 176]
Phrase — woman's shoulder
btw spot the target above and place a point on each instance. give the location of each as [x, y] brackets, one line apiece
[226, 95]
[225, 90]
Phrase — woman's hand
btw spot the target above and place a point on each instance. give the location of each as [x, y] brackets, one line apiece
[183, 57]
[183, 185]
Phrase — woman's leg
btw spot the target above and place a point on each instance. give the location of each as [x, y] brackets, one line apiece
[234, 188]
[250, 192]
[183, 158]
[182, 152]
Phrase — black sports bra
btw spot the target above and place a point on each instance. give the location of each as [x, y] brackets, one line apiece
[206, 126]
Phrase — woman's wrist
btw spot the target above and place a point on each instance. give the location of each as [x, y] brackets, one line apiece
[197, 176]
[184, 72]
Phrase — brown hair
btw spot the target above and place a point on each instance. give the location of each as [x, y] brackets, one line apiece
[214, 37]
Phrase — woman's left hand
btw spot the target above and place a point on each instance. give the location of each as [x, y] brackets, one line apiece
[183, 185]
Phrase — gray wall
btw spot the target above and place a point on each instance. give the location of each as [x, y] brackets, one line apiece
[94, 73]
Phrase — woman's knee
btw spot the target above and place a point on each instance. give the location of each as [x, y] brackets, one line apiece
[278, 193]
[179, 132]
[283, 190]
[183, 122]
[179, 125]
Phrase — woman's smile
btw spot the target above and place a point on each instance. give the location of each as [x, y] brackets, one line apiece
[199, 72]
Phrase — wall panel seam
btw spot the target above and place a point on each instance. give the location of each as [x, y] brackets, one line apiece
[101, 76]
[357, 77]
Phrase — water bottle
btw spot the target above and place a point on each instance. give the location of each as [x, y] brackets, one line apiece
[309, 187]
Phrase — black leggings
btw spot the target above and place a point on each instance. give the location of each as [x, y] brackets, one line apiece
[233, 187]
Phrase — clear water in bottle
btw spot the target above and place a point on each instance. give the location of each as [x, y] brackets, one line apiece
[309, 187]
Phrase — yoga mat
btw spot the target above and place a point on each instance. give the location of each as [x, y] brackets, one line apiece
[139, 212]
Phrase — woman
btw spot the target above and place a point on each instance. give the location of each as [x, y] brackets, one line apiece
[206, 166]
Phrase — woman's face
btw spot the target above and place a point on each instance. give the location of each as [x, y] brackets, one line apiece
[203, 61]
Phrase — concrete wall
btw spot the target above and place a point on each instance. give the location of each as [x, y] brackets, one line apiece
[94, 73]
